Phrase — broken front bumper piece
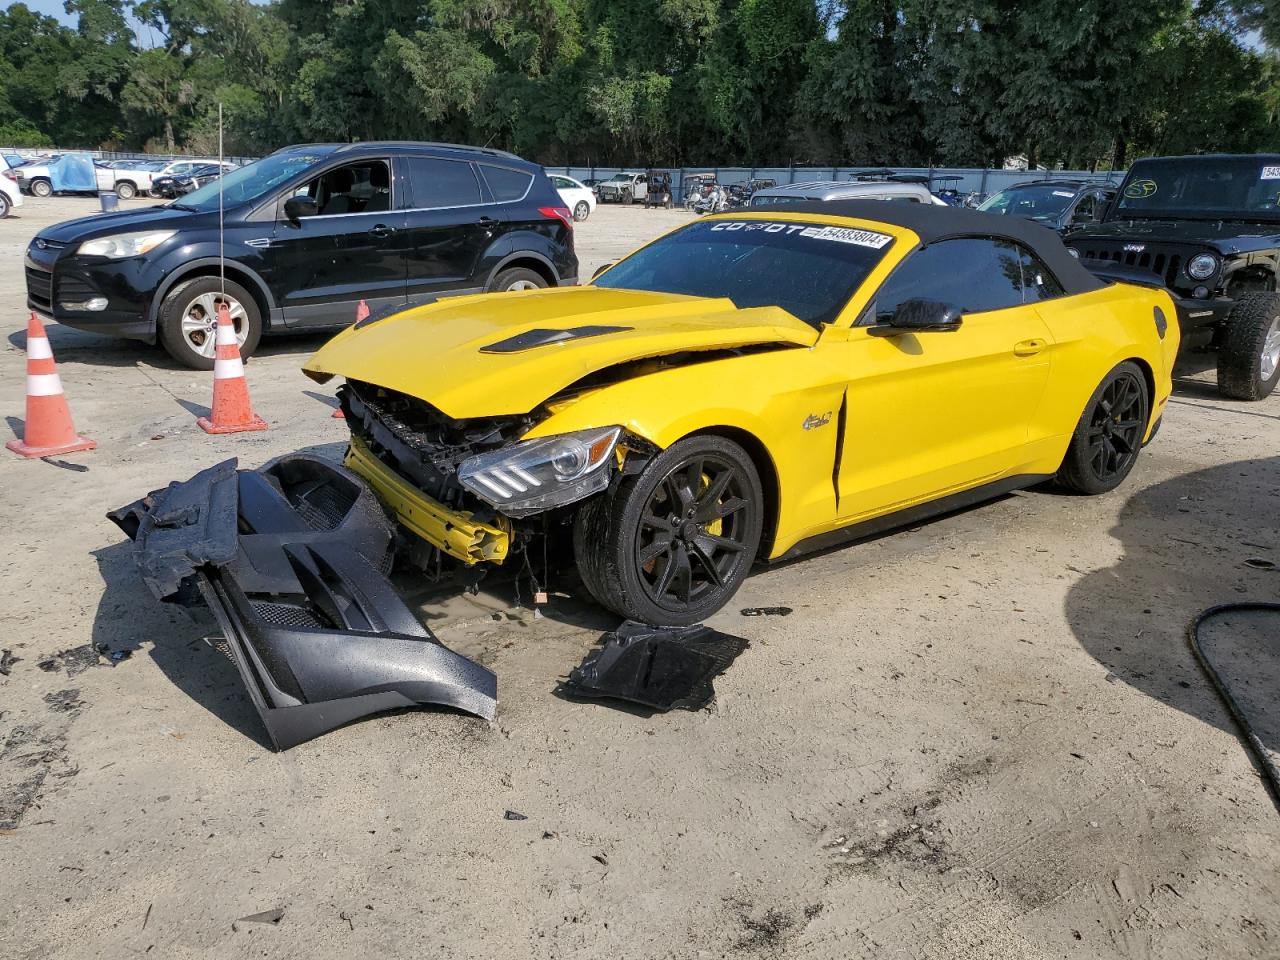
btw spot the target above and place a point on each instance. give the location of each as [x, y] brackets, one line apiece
[292, 561]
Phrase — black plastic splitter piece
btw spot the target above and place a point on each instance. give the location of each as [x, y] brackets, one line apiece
[664, 668]
[291, 561]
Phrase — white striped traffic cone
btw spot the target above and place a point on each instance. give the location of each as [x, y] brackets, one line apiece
[48, 430]
[231, 410]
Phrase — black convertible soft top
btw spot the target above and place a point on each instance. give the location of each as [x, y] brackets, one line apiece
[932, 223]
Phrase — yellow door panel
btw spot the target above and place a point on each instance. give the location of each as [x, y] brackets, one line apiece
[934, 412]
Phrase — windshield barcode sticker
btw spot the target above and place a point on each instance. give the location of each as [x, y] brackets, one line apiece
[1271, 173]
[1063, 193]
[863, 238]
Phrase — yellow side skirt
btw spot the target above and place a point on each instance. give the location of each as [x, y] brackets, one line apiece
[453, 532]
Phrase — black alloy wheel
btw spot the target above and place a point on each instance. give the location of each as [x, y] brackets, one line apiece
[672, 546]
[1108, 438]
[692, 531]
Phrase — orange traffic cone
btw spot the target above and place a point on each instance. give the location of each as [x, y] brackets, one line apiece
[48, 430]
[362, 311]
[231, 410]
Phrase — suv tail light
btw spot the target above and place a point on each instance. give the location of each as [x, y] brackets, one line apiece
[563, 214]
[11, 175]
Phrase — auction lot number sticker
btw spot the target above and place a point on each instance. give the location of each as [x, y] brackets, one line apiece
[1271, 173]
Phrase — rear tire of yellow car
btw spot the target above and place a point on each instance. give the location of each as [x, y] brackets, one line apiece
[1248, 367]
[657, 550]
[1108, 438]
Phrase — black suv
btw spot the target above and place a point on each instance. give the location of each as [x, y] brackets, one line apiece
[1060, 205]
[1207, 228]
[310, 231]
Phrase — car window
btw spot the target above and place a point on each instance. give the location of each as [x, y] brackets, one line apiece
[1037, 282]
[976, 274]
[563, 184]
[434, 184]
[506, 184]
[255, 181]
[1086, 210]
[808, 270]
[363, 187]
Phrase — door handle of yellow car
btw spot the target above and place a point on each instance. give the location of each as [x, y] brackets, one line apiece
[1028, 348]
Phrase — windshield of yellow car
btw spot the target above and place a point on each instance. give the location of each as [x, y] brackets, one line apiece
[810, 270]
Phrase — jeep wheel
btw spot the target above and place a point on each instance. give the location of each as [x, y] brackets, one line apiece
[188, 320]
[1108, 438]
[1249, 361]
[41, 188]
[671, 546]
[126, 190]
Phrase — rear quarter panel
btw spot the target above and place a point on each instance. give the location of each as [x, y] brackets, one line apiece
[1091, 334]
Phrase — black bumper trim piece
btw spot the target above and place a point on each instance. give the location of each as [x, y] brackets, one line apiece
[316, 630]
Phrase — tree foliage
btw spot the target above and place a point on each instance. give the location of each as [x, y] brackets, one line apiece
[758, 82]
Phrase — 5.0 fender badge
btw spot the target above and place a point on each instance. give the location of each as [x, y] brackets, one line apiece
[813, 420]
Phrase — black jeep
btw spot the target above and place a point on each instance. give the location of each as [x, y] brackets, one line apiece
[1207, 228]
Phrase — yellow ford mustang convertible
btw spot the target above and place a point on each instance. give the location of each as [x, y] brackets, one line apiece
[749, 386]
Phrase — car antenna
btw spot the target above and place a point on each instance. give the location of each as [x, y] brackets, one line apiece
[222, 252]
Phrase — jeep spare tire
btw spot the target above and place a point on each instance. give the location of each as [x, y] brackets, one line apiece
[1249, 360]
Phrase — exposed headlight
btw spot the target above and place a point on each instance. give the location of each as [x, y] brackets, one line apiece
[1202, 266]
[1074, 252]
[536, 475]
[123, 245]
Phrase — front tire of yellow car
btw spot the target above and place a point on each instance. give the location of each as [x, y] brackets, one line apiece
[672, 545]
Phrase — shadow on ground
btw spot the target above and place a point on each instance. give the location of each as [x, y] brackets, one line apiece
[1188, 543]
[128, 616]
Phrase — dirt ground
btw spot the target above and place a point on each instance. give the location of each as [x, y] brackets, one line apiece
[983, 737]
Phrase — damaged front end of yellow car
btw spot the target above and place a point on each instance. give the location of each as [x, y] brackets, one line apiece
[467, 420]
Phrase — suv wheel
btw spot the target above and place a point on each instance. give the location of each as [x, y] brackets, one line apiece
[1249, 361]
[126, 190]
[41, 188]
[188, 320]
[518, 278]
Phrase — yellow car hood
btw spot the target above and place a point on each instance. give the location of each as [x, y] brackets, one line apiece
[437, 353]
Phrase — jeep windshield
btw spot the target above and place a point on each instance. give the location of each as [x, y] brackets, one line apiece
[1044, 201]
[253, 181]
[1201, 188]
[808, 270]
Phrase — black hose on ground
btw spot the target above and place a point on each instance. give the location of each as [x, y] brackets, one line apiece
[1268, 766]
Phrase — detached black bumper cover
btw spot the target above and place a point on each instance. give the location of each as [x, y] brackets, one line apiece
[291, 560]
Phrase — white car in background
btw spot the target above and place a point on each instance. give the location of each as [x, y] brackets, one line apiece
[10, 195]
[576, 196]
[140, 177]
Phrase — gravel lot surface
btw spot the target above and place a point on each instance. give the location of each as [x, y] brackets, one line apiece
[982, 737]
